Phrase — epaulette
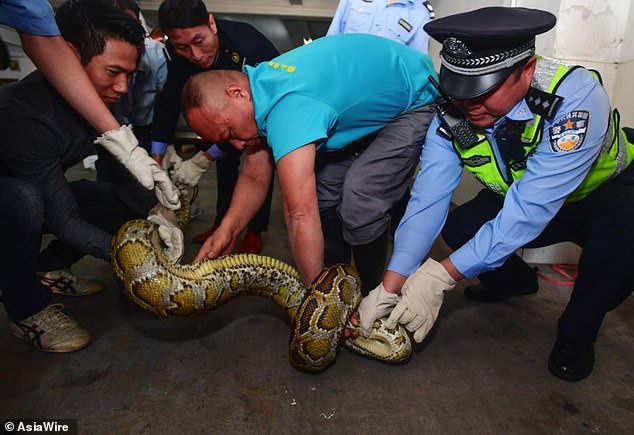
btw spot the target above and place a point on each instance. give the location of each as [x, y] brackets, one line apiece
[166, 53]
[429, 7]
[543, 103]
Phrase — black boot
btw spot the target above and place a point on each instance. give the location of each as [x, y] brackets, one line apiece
[519, 287]
[336, 250]
[369, 260]
[571, 360]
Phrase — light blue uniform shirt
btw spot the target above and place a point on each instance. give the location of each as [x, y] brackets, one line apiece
[531, 202]
[336, 90]
[400, 20]
[29, 16]
[149, 78]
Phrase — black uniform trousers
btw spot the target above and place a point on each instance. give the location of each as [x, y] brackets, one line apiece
[602, 224]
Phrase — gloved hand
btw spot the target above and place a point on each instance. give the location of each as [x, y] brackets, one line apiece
[122, 144]
[168, 230]
[171, 160]
[191, 170]
[378, 303]
[421, 298]
[164, 189]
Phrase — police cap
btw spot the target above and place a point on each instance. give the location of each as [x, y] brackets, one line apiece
[480, 48]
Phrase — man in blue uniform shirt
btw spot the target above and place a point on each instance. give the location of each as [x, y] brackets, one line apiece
[198, 42]
[399, 20]
[319, 99]
[542, 139]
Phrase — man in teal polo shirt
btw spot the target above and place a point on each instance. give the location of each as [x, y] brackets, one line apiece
[309, 110]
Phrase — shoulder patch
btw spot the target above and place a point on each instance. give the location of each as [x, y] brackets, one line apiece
[569, 132]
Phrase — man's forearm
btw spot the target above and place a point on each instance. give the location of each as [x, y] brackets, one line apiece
[249, 195]
[393, 281]
[307, 244]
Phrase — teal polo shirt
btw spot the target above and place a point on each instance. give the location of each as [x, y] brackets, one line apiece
[336, 90]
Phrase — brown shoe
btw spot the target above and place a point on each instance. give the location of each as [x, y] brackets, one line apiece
[251, 244]
[200, 238]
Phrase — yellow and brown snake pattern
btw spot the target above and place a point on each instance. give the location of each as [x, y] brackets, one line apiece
[318, 314]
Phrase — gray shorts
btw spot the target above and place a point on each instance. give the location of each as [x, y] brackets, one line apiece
[365, 179]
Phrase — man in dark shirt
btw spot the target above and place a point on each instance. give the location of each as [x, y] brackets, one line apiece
[40, 137]
[197, 42]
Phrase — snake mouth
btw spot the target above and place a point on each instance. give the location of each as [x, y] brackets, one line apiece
[394, 345]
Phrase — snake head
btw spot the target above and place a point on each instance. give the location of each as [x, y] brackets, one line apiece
[384, 344]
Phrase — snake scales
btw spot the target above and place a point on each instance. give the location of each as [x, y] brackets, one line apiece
[318, 314]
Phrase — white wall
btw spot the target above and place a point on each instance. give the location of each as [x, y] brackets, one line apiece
[25, 66]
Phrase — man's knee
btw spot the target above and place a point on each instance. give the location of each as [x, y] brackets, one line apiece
[23, 204]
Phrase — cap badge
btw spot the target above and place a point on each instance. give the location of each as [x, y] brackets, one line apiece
[456, 48]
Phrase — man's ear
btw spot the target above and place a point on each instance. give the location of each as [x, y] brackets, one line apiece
[529, 70]
[236, 91]
[212, 24]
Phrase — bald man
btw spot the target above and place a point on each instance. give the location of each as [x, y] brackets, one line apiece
[309, 112]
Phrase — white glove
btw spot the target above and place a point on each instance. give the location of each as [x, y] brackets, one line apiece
[122, 144]
[378, 303]
[169, 231]
[422, 296]
[164, 189]
[191, 170]
[171, 160]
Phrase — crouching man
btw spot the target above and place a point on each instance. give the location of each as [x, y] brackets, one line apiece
[42, 136]
[555, 166]
[307, 110]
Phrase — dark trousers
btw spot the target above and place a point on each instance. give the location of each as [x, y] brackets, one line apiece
[21, 228]
[227, 172]
[126, 198]
[602, 224]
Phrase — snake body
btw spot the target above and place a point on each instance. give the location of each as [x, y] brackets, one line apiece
[318, 313]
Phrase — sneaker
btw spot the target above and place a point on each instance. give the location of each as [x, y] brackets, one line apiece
[63, 282]
[50, 330]
[200, 238]
[251, 244]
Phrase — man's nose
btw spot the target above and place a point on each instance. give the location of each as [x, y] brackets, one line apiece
[197, 54]
[237, 144]
[121, 84]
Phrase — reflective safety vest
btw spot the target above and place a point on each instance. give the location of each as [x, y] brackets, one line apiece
[617, 151]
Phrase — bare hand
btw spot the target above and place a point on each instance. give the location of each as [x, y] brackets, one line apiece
[158, 158]
[221, 242]
[356, 321]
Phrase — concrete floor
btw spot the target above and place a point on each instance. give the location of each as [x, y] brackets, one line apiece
[482, 370]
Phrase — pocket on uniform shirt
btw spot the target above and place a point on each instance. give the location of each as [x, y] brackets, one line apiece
[397, 32]
[359, 19]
